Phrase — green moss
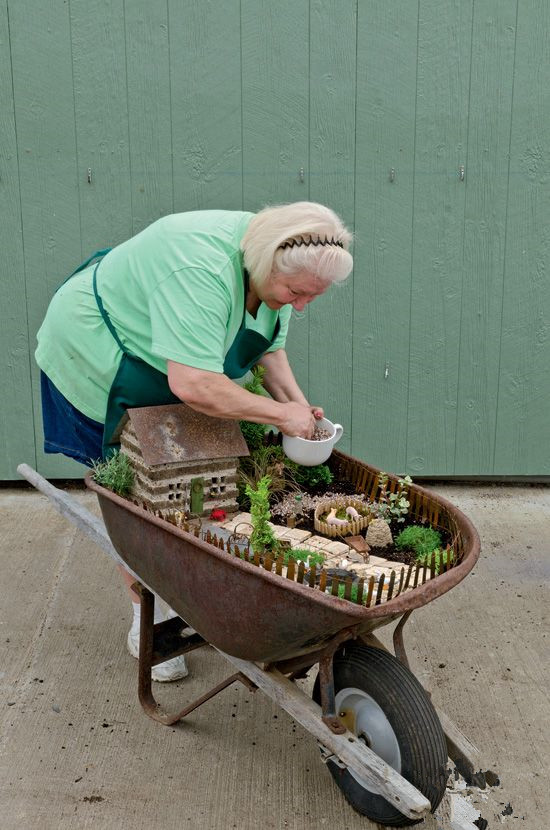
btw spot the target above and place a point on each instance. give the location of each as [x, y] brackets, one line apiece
[424, 542]
[420, 539]
[302, 555]
[353, 595]
[441, 557]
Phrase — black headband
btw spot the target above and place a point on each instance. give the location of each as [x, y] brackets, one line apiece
[298, 243]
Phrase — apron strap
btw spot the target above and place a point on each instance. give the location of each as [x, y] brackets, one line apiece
[106, 318]
[97, 255]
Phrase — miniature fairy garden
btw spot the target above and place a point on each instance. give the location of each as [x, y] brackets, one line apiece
[309, 524]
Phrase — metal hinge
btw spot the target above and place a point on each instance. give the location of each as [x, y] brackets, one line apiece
[327, 755]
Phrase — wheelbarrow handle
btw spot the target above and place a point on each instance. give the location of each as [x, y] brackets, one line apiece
[69, 507]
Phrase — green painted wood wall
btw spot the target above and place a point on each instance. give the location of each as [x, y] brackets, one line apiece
[435, 355]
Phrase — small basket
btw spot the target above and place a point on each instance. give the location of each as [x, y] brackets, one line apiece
[351, 528]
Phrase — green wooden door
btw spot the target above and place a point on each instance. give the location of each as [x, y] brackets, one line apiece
[424, 124]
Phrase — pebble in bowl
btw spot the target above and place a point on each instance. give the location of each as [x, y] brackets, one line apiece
[311, 452]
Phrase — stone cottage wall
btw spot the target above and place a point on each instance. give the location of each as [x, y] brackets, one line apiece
[166, 487]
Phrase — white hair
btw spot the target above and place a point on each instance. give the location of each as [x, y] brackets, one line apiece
[321, 243]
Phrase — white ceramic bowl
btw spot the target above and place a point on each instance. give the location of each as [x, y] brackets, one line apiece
[309, 453]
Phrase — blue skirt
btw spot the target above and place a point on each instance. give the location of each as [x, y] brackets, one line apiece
[66, 429]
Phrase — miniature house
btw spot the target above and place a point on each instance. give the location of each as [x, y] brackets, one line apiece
[182, 459]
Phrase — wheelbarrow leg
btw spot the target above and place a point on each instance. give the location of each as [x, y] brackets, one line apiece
[150, 656]
[145, 659]
[325, 658]
[465, 755]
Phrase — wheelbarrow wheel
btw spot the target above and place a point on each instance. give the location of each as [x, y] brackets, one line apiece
[383, 703]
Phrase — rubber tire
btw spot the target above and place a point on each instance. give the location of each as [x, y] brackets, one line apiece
[413, 719]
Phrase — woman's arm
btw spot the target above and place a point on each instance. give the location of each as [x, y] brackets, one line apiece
[280, 382]
[217, 395]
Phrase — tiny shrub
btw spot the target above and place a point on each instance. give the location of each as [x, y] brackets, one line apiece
[116, 473]
[254, 434]
[263, 461]
[256, 383]
[262, 537]
[309, 476]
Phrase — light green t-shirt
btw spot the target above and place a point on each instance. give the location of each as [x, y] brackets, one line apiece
[175, 291]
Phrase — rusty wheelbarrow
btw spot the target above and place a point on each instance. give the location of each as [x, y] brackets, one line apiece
[382, 740]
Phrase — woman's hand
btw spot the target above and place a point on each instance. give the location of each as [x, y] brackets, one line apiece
[298, 420]
[317, 412]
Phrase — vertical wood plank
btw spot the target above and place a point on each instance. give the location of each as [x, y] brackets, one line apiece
[444, 44]
[275, 67]
[205, 79]
[16, 423]
[149, 113]
[44, 117]
[101, 116]
[386, 86]
[486, 169]
[275, 90]
[331, 182]
[522, 444]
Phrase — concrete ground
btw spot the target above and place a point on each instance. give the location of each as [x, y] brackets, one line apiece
[77, 751]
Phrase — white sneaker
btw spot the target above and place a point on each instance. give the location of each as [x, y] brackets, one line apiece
[174, 669]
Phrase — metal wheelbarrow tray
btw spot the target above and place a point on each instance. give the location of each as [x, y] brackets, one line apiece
[274, 629]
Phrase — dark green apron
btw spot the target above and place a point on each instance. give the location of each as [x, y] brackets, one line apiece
[137, 383]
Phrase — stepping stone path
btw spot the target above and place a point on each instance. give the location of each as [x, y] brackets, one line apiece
[338, 554]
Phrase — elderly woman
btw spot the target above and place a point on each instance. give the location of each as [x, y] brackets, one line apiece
[177, 313]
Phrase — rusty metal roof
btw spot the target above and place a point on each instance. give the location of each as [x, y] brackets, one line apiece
[177, 433]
